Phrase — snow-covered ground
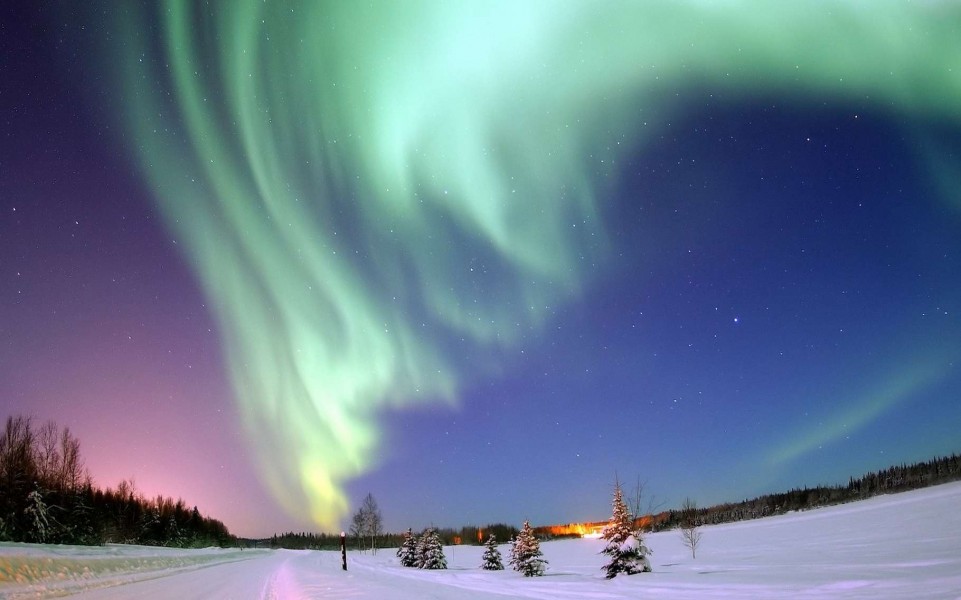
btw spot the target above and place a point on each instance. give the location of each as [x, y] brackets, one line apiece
[900, 546]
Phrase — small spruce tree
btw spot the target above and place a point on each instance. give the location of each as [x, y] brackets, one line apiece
[492, 556]
[420, 549]
[433, 551]
[526, 553]
[38, 518]
[81, 519]
[407, 553]
[625, 545]
[172, 533]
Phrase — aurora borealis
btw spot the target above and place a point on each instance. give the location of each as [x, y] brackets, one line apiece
[687, 240]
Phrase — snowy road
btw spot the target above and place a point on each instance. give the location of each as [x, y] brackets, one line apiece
[903, 546]
[288, 575]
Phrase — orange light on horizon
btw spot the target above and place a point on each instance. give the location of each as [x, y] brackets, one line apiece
[594, 529]
[588, 530]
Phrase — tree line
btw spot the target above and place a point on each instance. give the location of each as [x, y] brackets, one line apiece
[47, 496]
[360, 540]
[898, 478]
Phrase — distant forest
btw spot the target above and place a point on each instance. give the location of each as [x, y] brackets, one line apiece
[324, 541]
[47, 496]
[899, 478]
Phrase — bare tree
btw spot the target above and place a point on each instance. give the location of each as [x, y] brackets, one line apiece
[375, 522]
[47, 454]
[17, 464]
[367, 522]
[72, 472]
[690, 526]
[53, 453]
[636, 501]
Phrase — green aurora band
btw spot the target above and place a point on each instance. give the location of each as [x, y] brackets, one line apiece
[366, 189]
[875, 399]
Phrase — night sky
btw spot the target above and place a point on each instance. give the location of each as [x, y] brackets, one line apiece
[480, 259]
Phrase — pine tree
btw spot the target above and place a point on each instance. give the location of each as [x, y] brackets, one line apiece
[433, 554]
[526, 553]
[420, 549]
[625, 545]
[492, 556]
[38, 519]
[407, 553]
[81, 519]
[151, 528]
[172, 533]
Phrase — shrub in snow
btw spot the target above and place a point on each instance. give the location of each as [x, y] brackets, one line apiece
[431, 551]
[526, 553]
[625, 544]
[407, 553]
[492, 556]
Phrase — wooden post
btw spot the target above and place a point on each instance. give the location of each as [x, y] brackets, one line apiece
[343, 548]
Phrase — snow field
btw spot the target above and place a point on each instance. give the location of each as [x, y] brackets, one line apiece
[899, 546]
